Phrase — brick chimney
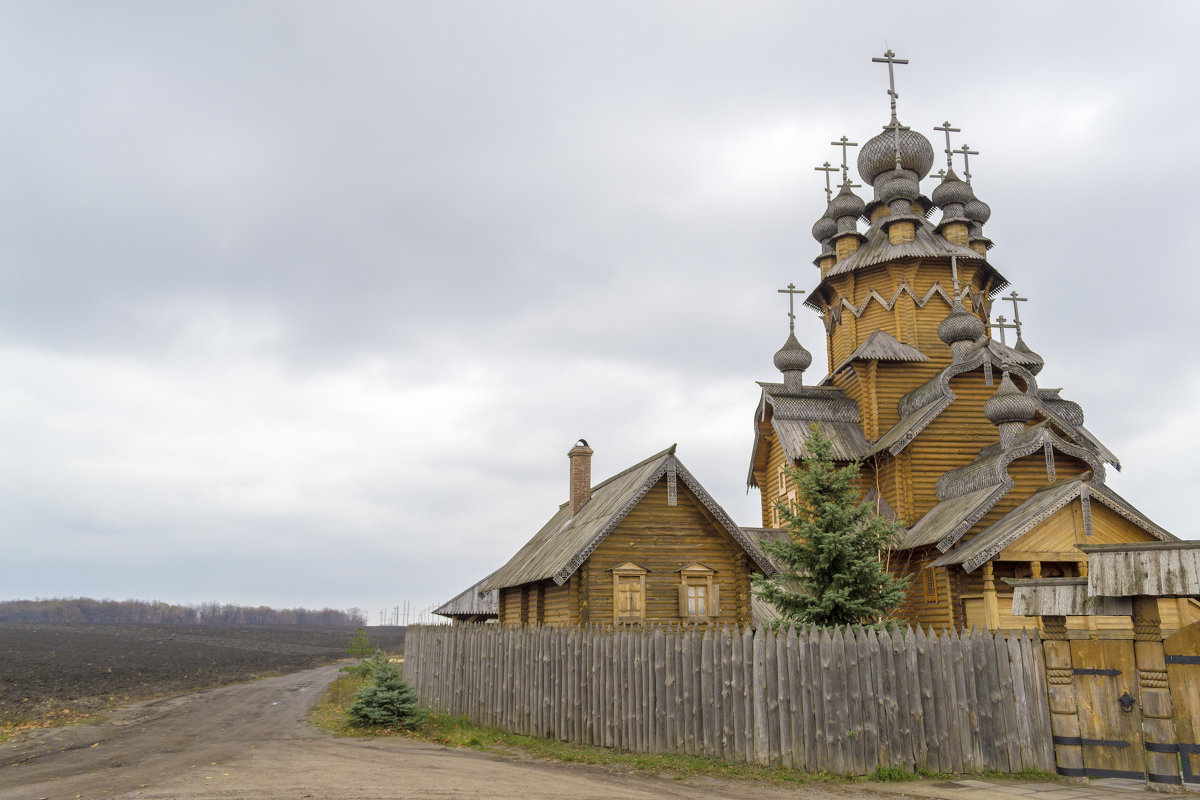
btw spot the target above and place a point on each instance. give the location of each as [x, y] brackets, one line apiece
[581, 475]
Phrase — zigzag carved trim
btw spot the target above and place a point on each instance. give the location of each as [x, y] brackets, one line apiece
[904, 288]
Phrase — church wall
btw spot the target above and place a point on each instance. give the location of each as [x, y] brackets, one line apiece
[662, 539]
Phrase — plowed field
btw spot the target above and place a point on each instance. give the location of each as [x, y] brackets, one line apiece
[65, 671]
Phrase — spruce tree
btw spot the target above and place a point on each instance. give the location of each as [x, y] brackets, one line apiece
[388, 701]
[830, 570]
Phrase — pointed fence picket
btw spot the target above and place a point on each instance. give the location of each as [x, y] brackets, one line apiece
[845, 701]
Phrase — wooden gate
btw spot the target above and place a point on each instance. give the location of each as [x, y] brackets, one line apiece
[1106, 687]
[1183, 671]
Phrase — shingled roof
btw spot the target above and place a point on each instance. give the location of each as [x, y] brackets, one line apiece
[565, 541]
[1037, 509]
[471, 602]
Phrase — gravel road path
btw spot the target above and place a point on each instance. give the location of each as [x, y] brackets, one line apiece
[252, 741]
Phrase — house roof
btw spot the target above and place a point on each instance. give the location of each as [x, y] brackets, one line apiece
[946, 518]
[471, 602]
[1036, 510]
[565, 541]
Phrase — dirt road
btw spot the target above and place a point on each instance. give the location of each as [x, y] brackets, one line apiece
[252, 741]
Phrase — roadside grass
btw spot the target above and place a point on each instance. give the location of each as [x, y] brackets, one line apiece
[12, 726]
[330, 715]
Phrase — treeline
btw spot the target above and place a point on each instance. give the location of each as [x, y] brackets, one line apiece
[115, 612]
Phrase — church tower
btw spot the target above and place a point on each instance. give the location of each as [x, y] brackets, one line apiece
[992, 475]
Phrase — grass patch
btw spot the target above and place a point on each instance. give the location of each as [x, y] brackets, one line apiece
[1023, 775]
[13, 726]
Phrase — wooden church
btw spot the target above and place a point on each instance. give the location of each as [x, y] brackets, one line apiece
[992, 475]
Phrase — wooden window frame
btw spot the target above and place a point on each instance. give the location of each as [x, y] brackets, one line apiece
[699, 575]
[929, 584]
[629, 573]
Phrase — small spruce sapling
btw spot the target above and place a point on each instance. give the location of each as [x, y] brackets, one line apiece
[830, 571]
[388, 701]
[359, 646]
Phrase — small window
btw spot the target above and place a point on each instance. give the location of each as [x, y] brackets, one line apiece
[929, 582]
[629, 594]
[699, 594]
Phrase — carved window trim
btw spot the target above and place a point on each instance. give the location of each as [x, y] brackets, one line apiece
[699, 593]
[629, 584]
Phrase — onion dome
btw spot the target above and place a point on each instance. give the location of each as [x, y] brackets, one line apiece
[898, 184]
[977, 211]
[1069, 410]
[824, 228]
[1009, 404]
[960, 325]
[879, 154]
[1025, 350]
[847, 208]
[792, 359]
[792, 356]
[952, 191]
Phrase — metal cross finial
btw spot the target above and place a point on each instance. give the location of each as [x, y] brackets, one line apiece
[1017, 311]
[845, 144]
[1002, 325]
[827, 170]
[966, 152]
[791, 291]
[945, 127]
[890, 59]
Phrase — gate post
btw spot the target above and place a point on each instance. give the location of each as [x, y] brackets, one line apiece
[1064, 709]
[1158, 723]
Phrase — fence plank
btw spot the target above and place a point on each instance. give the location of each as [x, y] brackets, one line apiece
[758, 697]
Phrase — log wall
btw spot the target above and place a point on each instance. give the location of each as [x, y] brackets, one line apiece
[843, 702]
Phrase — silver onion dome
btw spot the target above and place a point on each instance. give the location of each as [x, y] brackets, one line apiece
[824, 228]
[792, 356]
[960, 325]
[896, 185]
[846, 204]
[1009, 404]
[952, 190]
[879, 154]
[1025, 350]
[1071, 411]
[977, 211]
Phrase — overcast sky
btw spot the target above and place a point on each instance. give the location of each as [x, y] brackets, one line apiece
[303, 304]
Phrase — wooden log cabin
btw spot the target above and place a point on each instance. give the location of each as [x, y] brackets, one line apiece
[646, 546]
[993, 475]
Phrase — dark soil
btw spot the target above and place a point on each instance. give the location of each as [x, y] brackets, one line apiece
[63, 671]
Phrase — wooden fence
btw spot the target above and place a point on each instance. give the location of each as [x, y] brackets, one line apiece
[812, 700]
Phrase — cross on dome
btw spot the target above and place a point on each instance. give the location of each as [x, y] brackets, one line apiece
[1017, 310]
[845, 144]
[965, 151]
[1001, 324]
[890, 59]
[791, 291]
[945, 128]
[827, 170]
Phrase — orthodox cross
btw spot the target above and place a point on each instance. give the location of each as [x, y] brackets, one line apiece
[945, 127]
[1017, 311]
[890, 59]
[1002, 325]
[791, 291]
[965, 151]
[827, 170]
[845, 143]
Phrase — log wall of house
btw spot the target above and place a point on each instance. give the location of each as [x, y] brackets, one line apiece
[663, 539]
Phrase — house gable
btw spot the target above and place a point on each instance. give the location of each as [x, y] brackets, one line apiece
[664, 540]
